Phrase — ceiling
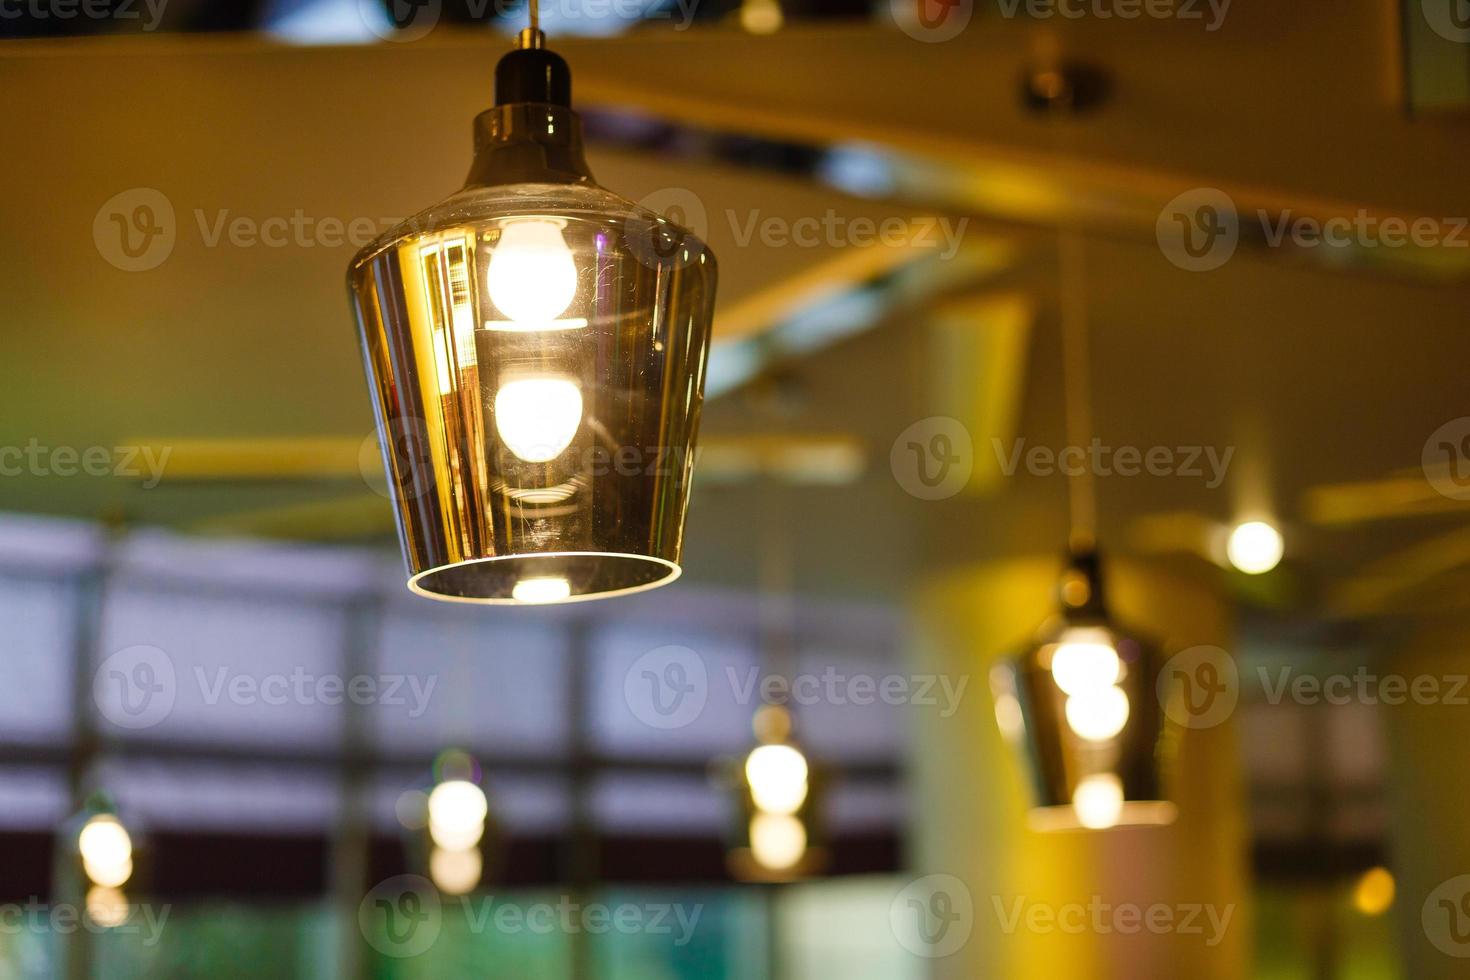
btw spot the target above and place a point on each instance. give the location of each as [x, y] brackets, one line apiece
[1315, 372]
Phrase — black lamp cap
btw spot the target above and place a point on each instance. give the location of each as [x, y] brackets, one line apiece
[1082, 595]
[533, 75]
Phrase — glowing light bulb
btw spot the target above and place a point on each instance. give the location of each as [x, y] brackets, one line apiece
[457, 810]
[537, 417]
[777, 775]
[777, 841]
[546, 588]
[1098, 800]
[1085, 661]
[1373, 894]
[1098, 715]
[1254, 547]
[455, 872]
[532, 277]
[107, 851]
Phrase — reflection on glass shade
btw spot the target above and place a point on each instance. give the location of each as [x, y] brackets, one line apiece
[537, 418]
[1098, 715]
[777, 841]
[551, 588]
[535, 347]
[777, 775]
[1085, 661]
[532, 277]
[455, 872]
[107, 906]
[1098, 801]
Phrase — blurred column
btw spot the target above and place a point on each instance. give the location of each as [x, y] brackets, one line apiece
[1428, 799]
[1047, 905]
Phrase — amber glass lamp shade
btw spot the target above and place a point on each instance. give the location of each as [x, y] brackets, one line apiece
[1081, 706]
[535, 347]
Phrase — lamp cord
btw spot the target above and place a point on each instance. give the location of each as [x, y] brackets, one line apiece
[1077, 391]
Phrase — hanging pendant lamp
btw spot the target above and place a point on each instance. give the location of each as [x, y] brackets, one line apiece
[535, 347]
[1081, 703]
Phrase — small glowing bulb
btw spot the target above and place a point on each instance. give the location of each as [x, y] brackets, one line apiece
[455, 872]
[1373, 894]
[538, 417]
[545, 588]
[1085, 661]
[1098, 715]
[777, 841]
[1254, 547]
[777, 775]
[107, 851]
[532, 276]
[1098, 801]
[457, 810]
[761, 16]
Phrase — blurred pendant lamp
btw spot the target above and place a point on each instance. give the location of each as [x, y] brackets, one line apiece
[1080, 704]
[535, 347]
[778, 834]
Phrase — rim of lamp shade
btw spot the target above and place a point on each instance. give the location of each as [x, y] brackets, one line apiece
[671, 572]
[1133, 813]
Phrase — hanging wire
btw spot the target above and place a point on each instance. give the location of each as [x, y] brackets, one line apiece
[1077, 388]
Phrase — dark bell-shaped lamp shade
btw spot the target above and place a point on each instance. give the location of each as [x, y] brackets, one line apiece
[535, 347]
[1081, 706]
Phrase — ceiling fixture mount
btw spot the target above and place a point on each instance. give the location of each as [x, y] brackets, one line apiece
[535, 347]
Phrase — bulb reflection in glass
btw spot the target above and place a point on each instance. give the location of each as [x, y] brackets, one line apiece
[108, 907]
[543, 588]
[1098, 800]
[537, 417]
[1085, 661]
[777, 841]
[1099, 715]
[777, 775]
[532, 275]
[107, 851]
[457, 810]
[455, 872]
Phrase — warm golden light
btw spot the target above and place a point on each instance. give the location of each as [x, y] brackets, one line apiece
[1085, 661]
[777, 841]
[1098, 800]
[1373, 894]
[1254, 547]
[761, 16]
[455, 872]
[777, 775]
[457, 810]
[532, 277]
[107, 851]
[1099, 715]
[106, 906]
[547, 588]
[537, 417]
